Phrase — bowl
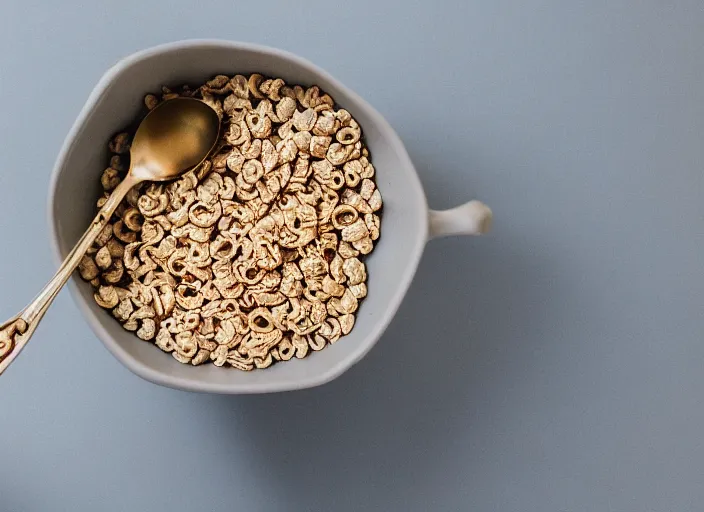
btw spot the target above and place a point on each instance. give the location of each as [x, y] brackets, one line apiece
[407, 223]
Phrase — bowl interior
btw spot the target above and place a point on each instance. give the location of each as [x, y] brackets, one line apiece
[115, 103]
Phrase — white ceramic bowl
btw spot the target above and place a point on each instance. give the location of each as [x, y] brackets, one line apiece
[407, 223]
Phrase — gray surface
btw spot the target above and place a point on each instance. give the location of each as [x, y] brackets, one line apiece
[554, 366]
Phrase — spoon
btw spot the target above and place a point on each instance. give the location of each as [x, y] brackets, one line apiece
[174, 137]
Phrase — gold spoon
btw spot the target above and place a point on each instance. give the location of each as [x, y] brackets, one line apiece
[174, 137]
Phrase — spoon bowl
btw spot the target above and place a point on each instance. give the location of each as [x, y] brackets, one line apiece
[175, 136]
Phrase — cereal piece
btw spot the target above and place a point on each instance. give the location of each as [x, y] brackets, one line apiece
[375, 202]
[304, 121]
[152, 203]
[317, 342]
[285, 109]
[110, 179]
[264, 362]
[353, 199]
[218, 85]
[319, 146]
[286, 349]
[127, 236]
[239, 86]
[325, 124]
[367, 188]
[151, 101]
[271, 88]
[300, 344]
[332, 287]
[167, 93]
[88, 269]
[331, 330]
[185, 344]
[113, 275]
[219, 355]
[338, 154]
[352, 178]
[124, 310]
[359, 290]
[259, 125]
[303, 141]
[373, 224]
[164, 340]
[355, 231]
[367, 170]
[348, 135]
[344, 216]
[346, 323]
[148, 329]
[355, 271]
[106, 297]
[120, 143]
[254, 81]
[103, 236]
[364, 245]
[204, 215]
[201, 357]
[103, 258]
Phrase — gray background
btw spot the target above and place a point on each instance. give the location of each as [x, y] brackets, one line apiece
[553, 366]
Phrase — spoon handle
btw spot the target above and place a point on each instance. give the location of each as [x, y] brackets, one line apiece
[15, 333]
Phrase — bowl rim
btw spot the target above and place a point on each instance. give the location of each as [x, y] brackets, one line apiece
[145, 371]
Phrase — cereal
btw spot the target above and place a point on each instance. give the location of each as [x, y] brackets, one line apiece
[256, 256]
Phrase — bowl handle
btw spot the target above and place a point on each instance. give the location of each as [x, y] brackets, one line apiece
[472, 218]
